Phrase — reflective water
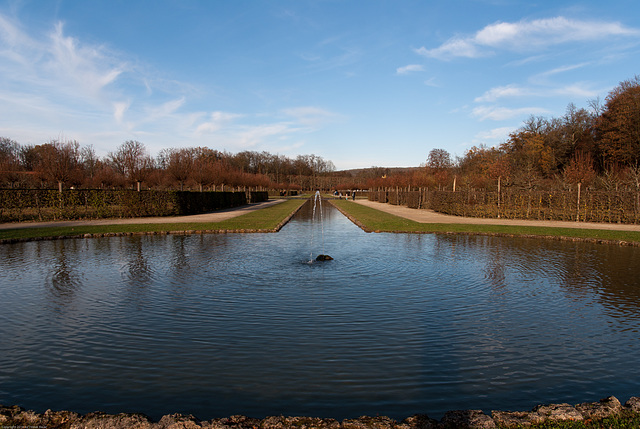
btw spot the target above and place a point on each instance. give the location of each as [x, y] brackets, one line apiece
[217, 325]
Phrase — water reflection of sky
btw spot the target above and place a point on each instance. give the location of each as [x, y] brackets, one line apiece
[217, 325]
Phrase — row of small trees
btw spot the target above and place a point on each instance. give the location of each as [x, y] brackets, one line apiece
[67, 164]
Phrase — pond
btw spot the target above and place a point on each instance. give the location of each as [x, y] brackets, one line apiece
[396, 324]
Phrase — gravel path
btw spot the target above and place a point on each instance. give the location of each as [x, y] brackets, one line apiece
[429, 216]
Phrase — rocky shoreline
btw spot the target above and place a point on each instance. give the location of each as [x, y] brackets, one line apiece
[17, 417]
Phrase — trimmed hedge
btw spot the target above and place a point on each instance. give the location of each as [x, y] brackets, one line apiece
[47, 204]
[258, 196]
[594, 206]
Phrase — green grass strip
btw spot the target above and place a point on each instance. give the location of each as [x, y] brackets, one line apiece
[373, 220]
[268, 219]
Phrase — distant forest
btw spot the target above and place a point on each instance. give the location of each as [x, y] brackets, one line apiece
[597, 147]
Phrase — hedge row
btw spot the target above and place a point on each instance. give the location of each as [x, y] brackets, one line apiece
[593, 206]
[46, 204]
[257, 196]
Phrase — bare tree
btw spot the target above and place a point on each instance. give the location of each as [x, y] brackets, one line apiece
[9, 160]
[207, 167]
[132, 161]
[439, 166]
[90, 163]
[59, 161]
[439, 159]
[178, 164]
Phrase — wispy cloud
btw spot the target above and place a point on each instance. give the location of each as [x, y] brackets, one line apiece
[231, 134]
[502, 92]
[216, 122]
[243, 131]
[254, 135]
[497, 113]
[527, 36]
[411, 68]
[455, 47]
[119, 108]
[54, 80]
[84, 67]
[162, 111]
[495, 134]
[58, 82]
[563, 69]
[432, 82]
[578, 89]
[16, 46]
[310, 116]
[57, 64]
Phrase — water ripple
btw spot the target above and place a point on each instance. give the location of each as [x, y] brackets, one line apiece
[395, 324]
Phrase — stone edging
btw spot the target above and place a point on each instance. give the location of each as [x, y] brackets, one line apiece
[16, 416]
[352, 219]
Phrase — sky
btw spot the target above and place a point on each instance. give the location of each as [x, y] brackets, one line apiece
[361, 83]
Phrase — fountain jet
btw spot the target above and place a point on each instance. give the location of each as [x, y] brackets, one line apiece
[317, 200]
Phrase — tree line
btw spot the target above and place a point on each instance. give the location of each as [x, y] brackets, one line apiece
[597, 147]
[62, 164]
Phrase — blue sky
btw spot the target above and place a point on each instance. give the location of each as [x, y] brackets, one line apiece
[361, 83]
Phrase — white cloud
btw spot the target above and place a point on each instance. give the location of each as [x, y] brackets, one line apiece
[231, 134]
[59, 83]
[254, 135]
[496, 113]
[63, 72]
[217, 122]
[81, 67]
[310, 116]
[410, 69]
[168, 109]
[119, 108]
[501, 92]
[16, 47]
[579, 89]
[455, 47]
[496, 134]
[432, 82]
[524, 36]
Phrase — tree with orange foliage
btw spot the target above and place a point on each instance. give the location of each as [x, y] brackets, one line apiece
[531, 159]
[479, 166]
[580, 169]
[619, 125]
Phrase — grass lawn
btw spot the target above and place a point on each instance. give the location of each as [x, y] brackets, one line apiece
[271, 218]
[268, 219]
[377, 221]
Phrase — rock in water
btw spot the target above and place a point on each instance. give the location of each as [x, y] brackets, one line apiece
[324, 258]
